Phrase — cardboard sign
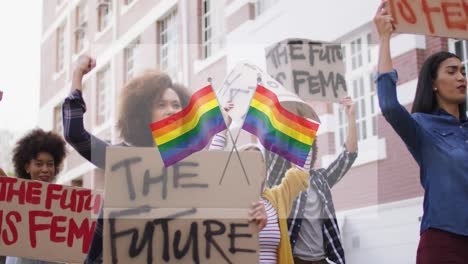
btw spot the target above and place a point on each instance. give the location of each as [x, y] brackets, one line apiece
[46, 221]
[444, 18]
[313, 70]
[239, 87]
[186, 213]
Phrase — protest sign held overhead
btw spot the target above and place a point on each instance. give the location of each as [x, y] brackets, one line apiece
[46, 221]
[444, 18]
[313, 70]
[182, 213]
[239, 87]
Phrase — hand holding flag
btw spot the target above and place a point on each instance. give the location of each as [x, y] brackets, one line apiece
[191, 129]
[279, 130]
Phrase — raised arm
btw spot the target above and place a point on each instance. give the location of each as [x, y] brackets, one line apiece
[338, 168]
[218, 142]
[90, 147]
[398, 117]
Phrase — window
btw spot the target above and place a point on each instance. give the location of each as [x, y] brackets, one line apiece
[85, 93]
[60, 52]
[342, 127]
[58, 123]
[81, 24]
[212, 27]
[373, 104]
[168, 50]
[262, 5]
[358, 96]
[129, 59]
[104, 14]
[363, 92]
[356, 54]
[103, 95]
[361, 87]
[60, 3]
[207, 30]
[461, 49]
[369, 47]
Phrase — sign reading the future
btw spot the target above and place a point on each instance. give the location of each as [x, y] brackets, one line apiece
[195, 211]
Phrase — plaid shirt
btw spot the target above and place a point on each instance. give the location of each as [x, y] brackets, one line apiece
[92, 149]
[322, 180]
[89, 146]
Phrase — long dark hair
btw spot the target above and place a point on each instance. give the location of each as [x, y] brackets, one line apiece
[425, 98]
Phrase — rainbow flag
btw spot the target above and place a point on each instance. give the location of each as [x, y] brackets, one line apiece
[189, 130]
[279, 130]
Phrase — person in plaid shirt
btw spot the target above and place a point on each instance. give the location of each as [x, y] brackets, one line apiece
[145, 99]
[313, 228]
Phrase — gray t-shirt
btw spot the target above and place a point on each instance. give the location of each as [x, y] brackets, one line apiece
[309, 245]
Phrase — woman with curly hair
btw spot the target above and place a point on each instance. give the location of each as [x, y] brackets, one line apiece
[37, 156]
[143, 100]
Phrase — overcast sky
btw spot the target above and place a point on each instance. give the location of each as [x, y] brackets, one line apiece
[20, 29]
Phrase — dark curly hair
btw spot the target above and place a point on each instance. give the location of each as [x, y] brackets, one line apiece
[36, 141]
[137, 100]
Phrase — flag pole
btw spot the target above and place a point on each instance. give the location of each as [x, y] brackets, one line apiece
[259, 81]
[234, 147]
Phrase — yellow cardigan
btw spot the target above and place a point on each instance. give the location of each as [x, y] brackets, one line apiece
[282, 198]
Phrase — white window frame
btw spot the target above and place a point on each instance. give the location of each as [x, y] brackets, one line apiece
[464, 49]
[356, 53]
[262, 5]
[362, 89]
[60, 4]
[169, 48]
[129, 58]
[81, 27]
[86, 94]
[58, 120]
[103, 95]
[60, 52]
[104, 20]
[369, 47]
[207, 30]
[213, 26]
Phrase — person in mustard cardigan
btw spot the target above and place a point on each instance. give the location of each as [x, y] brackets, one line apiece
[278, 200]
[275, 246]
